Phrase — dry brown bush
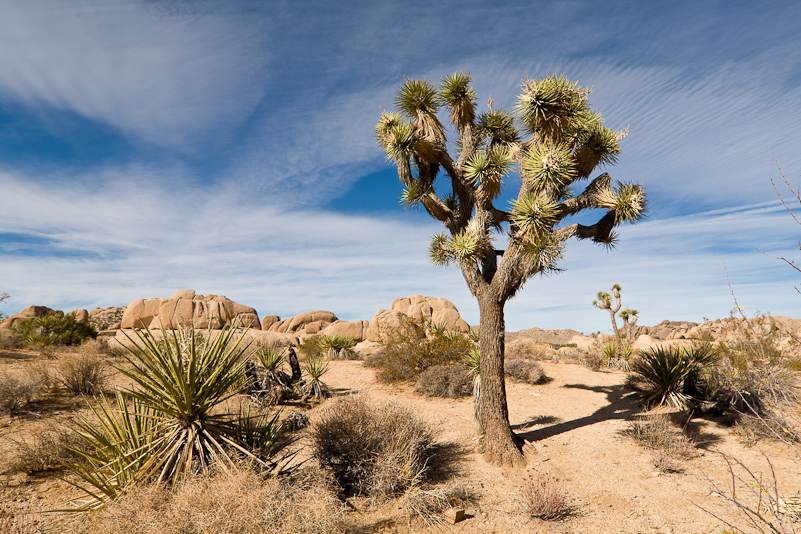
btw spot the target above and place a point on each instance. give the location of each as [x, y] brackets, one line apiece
[16, 392]
[428, 504]
[544, 497]
[525, 349]
[240, 502]
[669, 446]
[84, 373]
[47, 450]
[374, 449]
[527, 371]
[445, 381]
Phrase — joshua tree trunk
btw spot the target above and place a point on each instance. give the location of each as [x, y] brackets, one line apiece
[498, 442]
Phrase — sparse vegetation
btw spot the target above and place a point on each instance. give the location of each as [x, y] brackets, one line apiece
[84, 373]
[412, 347]
[373, 449]
[669, 447]
[544, 497]
[527, 371]
[445, 381]
[54, 328]
[314, 387]
[238, 502]
[338, 347]
[16, 392]
[172, 429]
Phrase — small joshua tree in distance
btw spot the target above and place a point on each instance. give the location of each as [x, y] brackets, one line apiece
[628, 315]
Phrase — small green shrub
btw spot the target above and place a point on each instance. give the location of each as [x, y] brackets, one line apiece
[527, 371]
[54, 328]
[375, 450]
[445, 381]
[665, 370]
[411, 348]
[314, 387]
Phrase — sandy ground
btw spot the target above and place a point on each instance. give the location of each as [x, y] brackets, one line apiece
[573, 424]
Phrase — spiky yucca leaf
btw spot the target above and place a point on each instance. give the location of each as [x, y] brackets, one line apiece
[472, 361]
[534, 215]
[119, 439]
[418, 100]
[459, 97]
[437, 328]
[271, 358]
[397, 138]
[549, 167]
[499, 127]
[487, 170]
[438, 251]
[414, 192]
[600, 146]
[183, 379]
[627, 201]
[466, 248]
[314, 387]
[555, 108]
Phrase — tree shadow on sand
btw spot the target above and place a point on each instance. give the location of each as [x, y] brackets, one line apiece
[622, 404]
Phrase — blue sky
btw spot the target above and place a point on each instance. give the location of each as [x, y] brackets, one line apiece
[147, 147]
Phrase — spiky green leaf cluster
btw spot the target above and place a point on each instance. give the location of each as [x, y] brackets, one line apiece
[543, 257]
[534, 215]
[459, 97]
[414, 192]
[599, 146]
[498, 126]
[626, 201]
[463, 248]
[487, 169]
[555, 109]
[396, 136]
[549, 167]
[418, 100]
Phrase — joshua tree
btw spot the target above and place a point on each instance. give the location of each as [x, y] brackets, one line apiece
[628, 315]
[559, 142]
[3, 296]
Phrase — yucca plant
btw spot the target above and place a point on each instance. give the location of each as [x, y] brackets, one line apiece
[314, 387]
[610, 351]
[271, 357]
[338, 347]
[474, 335]
[665, 370]
[171, 431]
[119, 442]
[473, 362]
[265, 436]
[437, 328]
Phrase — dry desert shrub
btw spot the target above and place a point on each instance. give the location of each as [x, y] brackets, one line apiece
[544, 497]
[239, 502]
[47, 450]
[411, 348]
[17, 392]
[669, 446]
[84, 373]
[524, 349]
[428, 504]
[445, 381]
[373, 449]
[527, 371]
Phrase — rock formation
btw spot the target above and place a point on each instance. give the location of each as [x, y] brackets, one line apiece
[185, 308]
[418, 307]
[306, 323]
[28, 313]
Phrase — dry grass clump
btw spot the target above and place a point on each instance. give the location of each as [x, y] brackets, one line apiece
[16, 516]
[527, 371]
[544, 497]
[428, 504]
[373, 449]
[669, 446]
[47, 450]
[411, 348]
[17, 392]
[84, 373]
[523, 349]
[240, 502]
[445, 381]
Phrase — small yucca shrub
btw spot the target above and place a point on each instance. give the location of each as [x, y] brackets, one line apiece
[665, 369]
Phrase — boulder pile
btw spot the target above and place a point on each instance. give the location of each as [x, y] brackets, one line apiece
[185, 308]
